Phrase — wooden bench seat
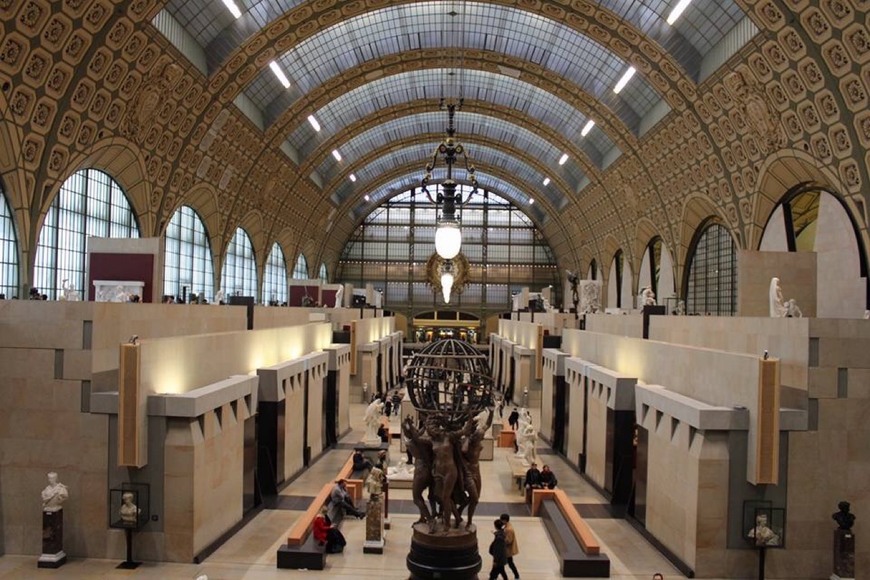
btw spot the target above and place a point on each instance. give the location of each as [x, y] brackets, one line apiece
[301, 550]
[580, 528]
[574, 562]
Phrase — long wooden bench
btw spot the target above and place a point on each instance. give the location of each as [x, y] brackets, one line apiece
[301, 550]
[579, 551]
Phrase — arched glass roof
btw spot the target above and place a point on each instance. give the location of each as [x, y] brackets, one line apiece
[433, 123]
[426, 25]
[701, 27]
[426, 85]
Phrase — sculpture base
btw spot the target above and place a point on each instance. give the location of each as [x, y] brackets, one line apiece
[373, 547]
[128, 565]
[51, 560]
[444, 553]
[844, 554]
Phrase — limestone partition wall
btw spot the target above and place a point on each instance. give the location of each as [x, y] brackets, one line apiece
[204, 468]
[339, 369]
[548, 392]
[52, 355]
[315, 380]
[364, 382]
[276, 317]
[618, 324]
[524, 378]
[575, 381]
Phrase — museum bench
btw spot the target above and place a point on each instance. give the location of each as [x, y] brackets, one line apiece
[518, 470]
[579, 552]
[301, 550]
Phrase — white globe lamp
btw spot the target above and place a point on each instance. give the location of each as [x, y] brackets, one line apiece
[448, 239]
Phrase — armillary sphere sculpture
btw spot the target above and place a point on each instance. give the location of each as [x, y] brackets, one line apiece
[450, 386]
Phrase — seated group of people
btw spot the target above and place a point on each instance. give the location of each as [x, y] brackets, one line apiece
[325, 532]
[539, 479]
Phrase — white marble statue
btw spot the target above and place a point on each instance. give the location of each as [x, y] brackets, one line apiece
[648, 297]
[374, 483]
[128, 511]
[339, 297]
[590, 296]
[218, 297]
[373, 421]
[402, 470]
[54, 494]
[792, 310]
[867, 315]
[681, 308]
[778, 308]
[68, 293]
[528, 439]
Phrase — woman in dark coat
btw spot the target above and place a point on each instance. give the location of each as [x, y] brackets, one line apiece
[498, 551]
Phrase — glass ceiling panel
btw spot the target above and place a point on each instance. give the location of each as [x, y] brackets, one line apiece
[700, 27]
[435, 123]
[402, 88]
[427, 25]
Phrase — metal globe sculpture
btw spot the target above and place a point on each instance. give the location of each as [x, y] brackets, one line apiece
[450, 380]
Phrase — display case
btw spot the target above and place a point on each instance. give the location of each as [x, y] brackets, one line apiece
[129, 506]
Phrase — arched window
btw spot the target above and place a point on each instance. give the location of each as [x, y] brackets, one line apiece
[187, 258]
[300, 270]
[275, 277]
[239, 274]
[324, 277]
[711, 283]
[8, 251]
[657, 271]
[592, 273]
[614, 282]
[89, 204]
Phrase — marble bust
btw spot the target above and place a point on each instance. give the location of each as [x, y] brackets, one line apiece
[844, 518]
[374, 483]
[128, 511]
[54, 494]
[762, 533]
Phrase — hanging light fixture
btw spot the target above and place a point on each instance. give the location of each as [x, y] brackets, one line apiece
[447, 280]
[448, 235]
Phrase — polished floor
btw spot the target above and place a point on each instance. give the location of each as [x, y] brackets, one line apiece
[250, 553]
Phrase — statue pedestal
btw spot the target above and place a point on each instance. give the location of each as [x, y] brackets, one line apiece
[443, 553]
[53, 555]
[844, 555]
[374, 543]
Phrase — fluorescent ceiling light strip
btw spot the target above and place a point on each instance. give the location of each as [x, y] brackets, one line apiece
[588, 127]
[624, 80]
[678, 9]
[336, 154]
[314, 123]
[563, 159]
[352, 178]
[546, 181]
[231, 6]
[280, 74]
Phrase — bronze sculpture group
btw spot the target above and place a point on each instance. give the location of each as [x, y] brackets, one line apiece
[446, 463]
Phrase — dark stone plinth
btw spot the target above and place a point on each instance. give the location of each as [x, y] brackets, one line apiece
[53, 555]
[844, 553]
[451, 554]
[309, 556]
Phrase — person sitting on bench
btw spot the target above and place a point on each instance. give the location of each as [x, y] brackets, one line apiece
[325, 534]
[547, 478]
[341, 503]
[360, 463]
[533, 479]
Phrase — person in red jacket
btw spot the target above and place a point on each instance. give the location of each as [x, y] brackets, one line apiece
[327, 534]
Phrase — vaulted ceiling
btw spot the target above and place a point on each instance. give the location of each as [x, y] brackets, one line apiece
[536, 81]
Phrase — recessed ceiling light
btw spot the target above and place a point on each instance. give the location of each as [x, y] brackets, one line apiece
[352, 177]
[624, 80]
[563, 159]
[366, 197]
[531, 201]
[280, 74]
[678, 9]
[336, 154]
[546, 181]
[314, 123]
[234, 10]
[588, 127]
